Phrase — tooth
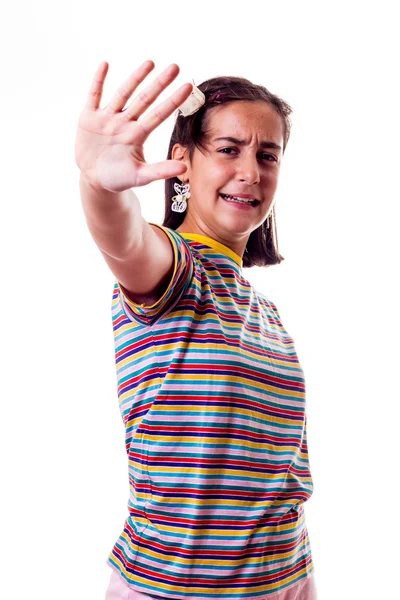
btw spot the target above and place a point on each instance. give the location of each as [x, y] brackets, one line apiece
[242, 200]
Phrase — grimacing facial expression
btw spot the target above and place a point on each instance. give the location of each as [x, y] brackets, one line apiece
[243, 154]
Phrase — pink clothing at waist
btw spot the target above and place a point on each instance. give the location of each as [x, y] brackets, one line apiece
[118, 589]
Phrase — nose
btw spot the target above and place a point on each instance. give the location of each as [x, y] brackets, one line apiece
[248, 169]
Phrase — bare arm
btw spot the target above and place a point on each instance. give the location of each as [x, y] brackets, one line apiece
[140, 256]
[109, 153]
[114, 219]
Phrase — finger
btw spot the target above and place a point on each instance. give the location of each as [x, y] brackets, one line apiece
[148, 123]
[147, 97]
[126, 90]
[96, 88]
[161, 170]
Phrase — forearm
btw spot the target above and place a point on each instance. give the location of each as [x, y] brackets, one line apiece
[114, 219]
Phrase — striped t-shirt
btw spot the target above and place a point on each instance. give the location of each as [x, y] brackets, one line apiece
[212, 397]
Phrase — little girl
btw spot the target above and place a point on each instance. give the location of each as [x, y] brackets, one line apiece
[210, 388]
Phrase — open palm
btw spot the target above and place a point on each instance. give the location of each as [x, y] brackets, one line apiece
[109, 141]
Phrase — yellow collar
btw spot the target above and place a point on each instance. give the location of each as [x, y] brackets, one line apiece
[207, 241]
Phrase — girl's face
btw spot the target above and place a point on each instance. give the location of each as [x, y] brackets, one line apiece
[243, 155]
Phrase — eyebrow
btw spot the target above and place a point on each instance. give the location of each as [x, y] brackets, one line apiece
[266, 144]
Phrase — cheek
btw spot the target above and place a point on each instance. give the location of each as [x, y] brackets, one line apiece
[212, 176]
[221, 175]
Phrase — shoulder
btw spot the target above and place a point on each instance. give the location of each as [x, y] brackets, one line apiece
[268, 308]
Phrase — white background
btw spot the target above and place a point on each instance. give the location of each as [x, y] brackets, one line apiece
[64, 467]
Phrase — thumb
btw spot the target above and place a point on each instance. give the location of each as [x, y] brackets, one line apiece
[162, 170]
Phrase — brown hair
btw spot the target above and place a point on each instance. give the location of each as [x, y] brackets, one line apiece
[262, 245]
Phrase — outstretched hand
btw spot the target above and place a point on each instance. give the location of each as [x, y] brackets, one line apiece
[109, 141]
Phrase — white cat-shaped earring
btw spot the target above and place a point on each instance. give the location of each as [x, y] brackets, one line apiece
[179, 203]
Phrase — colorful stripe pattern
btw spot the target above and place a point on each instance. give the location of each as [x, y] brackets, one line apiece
[212, 397]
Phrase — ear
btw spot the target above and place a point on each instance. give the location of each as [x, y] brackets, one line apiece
[179, 152]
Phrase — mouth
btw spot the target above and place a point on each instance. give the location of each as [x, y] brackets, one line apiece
[241, 199]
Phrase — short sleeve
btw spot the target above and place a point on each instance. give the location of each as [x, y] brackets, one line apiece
[272, 315]
[179, 283]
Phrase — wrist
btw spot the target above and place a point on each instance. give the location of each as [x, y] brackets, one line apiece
[93, 185]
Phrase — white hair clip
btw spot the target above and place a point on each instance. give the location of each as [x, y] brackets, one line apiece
[192, 104]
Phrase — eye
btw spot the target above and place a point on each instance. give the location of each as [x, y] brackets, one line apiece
[227, 150]
[264, 156]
